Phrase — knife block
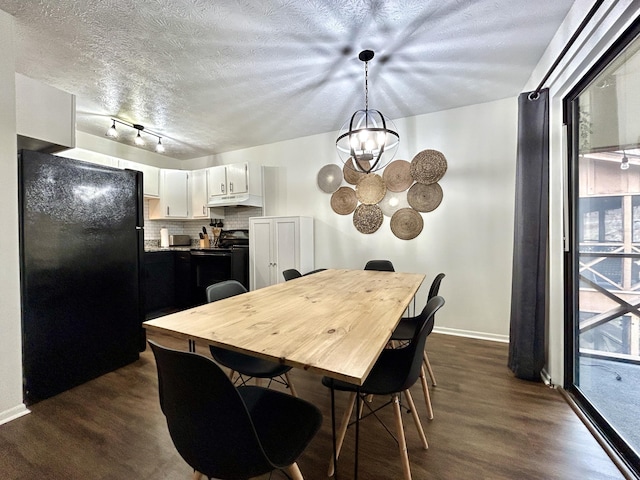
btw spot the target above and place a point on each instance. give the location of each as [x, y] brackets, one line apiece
[204, 242]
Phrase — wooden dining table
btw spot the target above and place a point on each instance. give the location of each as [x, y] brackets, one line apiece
[334, 322]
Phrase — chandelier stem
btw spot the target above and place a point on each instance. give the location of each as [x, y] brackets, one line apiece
[366, 85]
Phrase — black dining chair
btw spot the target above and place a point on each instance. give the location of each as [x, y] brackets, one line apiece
[380, 265]
[317, 270]
[290, 274]
[404, 332]
[395, 371]
[225, 432]
[245, 365]
[405, 329]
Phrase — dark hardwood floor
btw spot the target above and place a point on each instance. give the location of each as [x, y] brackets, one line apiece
[487, 425]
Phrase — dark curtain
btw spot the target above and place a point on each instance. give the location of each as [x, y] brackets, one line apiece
[528, 290]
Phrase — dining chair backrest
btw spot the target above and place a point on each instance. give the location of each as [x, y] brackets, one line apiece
[435, 286]
[220, 290]
[290, 274]
[207, 419]
[380, 265]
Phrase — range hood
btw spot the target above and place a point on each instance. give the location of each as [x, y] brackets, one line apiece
[237, 200]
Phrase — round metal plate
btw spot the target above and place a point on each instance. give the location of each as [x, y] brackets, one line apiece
[330, 178]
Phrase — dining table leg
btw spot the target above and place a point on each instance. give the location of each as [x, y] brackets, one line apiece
[333, 433]
[358, 413]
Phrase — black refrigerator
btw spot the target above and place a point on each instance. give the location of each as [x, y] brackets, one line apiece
[81, 248]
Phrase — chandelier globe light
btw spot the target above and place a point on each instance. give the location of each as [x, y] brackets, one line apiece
[368, 140]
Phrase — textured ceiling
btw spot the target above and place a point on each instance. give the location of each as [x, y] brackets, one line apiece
[213, 76]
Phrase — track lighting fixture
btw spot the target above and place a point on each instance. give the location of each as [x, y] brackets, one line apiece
[139, 139]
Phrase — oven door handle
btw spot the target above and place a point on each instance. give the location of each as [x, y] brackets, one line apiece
[211, 254]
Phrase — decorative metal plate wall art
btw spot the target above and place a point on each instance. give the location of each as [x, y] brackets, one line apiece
[330, 178]
[403, 192]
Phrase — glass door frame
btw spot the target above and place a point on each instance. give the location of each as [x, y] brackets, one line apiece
[571, 264]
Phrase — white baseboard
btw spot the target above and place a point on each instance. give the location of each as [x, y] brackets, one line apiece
[471, 334]
[13, 413]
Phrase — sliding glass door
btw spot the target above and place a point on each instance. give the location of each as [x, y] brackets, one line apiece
[603, 324]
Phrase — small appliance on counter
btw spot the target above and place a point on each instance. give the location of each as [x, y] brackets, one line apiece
[179, 240]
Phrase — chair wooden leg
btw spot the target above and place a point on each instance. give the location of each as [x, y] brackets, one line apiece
[429, 369]
[294, 472]
[425, 391]
[342, 430]
[416, 419]
[402, 443]
[291, 387]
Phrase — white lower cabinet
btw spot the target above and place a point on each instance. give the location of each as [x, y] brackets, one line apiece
[278, 244]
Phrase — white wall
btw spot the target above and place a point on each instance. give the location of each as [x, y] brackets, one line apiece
[612, 18]
[469, 236]
[11, 404]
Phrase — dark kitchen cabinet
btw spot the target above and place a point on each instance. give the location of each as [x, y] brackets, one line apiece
[159, 282]
[183, 280]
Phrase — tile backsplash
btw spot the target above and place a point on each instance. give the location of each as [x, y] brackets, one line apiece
[235, 217]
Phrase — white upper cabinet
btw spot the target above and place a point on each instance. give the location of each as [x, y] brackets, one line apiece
[217, 179]
[235, 184]
[150, 177]
[199, 195]
[45, 116]
[237, 178]
[174, 196]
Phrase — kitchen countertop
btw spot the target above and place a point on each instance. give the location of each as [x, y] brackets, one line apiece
[184, 248]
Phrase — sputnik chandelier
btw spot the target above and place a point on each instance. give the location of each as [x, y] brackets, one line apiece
[139, 140]
[367, 141]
